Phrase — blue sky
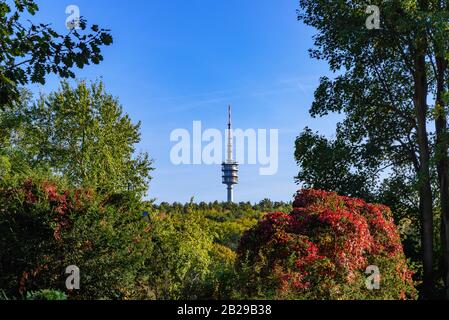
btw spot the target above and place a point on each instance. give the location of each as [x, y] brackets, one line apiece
[174, 62]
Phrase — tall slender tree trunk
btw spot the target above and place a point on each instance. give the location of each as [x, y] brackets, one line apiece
[425, 195]
[442, 167]
[425, 191]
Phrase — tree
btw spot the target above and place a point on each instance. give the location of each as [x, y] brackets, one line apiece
[322, 249]
[46, 227]
[388, 75]
[332, 165]
[82, 134]
[30, 51]
[179, 263]
[439, 50]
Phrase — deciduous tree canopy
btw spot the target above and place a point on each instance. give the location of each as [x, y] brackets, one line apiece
[29, 50]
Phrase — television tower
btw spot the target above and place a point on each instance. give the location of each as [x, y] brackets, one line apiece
[230, 168]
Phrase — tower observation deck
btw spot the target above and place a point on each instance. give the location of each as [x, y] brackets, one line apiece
[230, 167]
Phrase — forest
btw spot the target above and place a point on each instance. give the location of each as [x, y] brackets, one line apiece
[75, 191]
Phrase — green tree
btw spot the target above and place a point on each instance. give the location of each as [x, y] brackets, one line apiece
[179, 264]
[387, 76]
[82, 134]
[30, 51]
[332, 165]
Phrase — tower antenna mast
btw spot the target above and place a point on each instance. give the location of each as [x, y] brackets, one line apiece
[229, 145]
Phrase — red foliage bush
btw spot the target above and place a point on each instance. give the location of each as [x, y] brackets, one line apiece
[60, 203]
[46, 226]
[322, 248]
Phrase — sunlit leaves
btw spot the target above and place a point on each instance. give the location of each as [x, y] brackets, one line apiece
[31, 51]
[321, 249]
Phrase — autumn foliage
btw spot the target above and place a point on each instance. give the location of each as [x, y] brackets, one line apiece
[45, 227]
[322, 249]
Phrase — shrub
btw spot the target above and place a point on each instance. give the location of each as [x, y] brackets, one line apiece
[46, 294]
[219, 282]
[45, 227]
[321, 251]
[179, 263]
